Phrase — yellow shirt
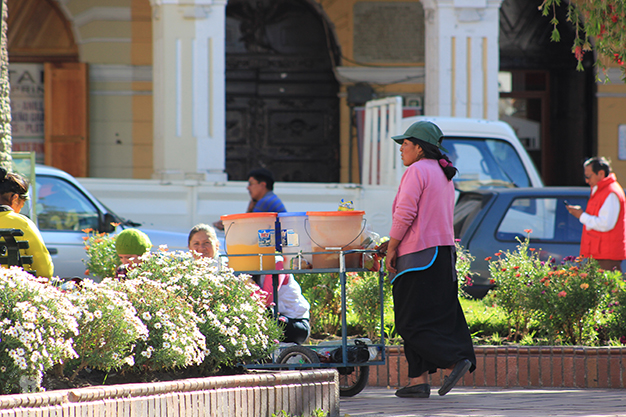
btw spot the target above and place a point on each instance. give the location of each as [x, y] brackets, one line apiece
[42, 263]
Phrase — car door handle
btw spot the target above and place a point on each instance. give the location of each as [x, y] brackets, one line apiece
[53, 251]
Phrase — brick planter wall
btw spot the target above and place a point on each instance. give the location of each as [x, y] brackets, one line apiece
[522, 366]
[260, 394]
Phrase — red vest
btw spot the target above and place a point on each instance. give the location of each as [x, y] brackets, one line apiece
[605, 245]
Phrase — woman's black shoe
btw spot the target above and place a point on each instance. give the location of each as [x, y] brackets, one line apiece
[457, 373]
[414, 391]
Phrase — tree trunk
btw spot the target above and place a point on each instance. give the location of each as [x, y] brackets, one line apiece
[5, 90]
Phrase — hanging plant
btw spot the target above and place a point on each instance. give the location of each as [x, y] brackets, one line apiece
[602, 20]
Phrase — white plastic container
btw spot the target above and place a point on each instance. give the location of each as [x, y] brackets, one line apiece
[295, 240]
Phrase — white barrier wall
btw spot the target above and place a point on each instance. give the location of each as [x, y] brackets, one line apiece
[178, 205]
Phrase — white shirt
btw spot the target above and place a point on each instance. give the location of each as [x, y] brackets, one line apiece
[607, 216]
[291, 302]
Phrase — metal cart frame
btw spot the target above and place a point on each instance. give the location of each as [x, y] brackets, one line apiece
[344, 367]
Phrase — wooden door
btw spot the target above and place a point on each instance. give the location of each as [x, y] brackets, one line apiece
[282, 109]
[66, 117]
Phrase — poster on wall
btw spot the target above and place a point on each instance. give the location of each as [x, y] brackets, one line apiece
[27, 102]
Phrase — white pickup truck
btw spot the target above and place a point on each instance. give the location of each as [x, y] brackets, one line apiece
[486, 153]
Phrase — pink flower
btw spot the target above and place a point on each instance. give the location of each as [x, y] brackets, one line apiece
[562, 294]
[529, 231]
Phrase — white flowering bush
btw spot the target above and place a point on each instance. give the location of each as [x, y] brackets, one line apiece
[235, 323]
[37, 326]
[173, 338]
[108, 327]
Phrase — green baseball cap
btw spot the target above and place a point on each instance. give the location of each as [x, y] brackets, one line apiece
[424, 130]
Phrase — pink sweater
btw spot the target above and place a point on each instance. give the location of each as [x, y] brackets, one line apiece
[423, 209]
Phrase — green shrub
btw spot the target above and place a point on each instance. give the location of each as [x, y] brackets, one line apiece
[37, 324]
[612, 324]
[234, 321]
[567, 297]
[102, 260]
[364, 299]
[514, 274]
[173, 339]
[108, 327]
[463, 265]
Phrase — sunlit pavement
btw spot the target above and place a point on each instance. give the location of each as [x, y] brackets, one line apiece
[377, 401]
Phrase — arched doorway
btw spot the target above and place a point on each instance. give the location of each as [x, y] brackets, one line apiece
[548, 102]
[282, 109]
[48, 86]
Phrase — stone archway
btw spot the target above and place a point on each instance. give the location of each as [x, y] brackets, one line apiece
[282, 109]
[49, 86]
[39, 32]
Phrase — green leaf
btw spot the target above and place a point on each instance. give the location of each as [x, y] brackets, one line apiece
[556, 36]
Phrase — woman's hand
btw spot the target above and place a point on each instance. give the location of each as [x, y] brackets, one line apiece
[391, 261]
[382, 248]
[392, 256]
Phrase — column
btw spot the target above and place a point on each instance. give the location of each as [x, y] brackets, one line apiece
[188, 84]
[462, 58]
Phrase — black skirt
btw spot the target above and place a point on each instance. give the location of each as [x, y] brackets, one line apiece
[429, 317]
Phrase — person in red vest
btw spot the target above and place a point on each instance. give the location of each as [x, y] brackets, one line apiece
[604, 227]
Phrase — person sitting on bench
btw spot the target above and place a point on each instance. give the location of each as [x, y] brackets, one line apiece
[13, 195]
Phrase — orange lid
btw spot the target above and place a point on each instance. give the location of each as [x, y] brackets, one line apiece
[336, 213]
[246, 216]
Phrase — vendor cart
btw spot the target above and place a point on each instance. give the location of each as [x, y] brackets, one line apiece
[346, 355]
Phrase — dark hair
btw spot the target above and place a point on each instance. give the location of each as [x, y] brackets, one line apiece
[263, 175]
[12, 183]
[433, 152]
[210, 232]
[599, 163]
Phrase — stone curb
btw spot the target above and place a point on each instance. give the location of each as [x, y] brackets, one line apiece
[258, 394]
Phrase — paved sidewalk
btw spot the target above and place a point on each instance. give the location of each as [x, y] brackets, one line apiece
[519, 402]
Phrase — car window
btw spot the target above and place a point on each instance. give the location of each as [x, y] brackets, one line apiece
[465, 210]
[485, 163]
[548, 219]
[60, 206]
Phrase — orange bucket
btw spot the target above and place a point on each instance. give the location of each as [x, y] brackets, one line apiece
[334, 231]
[250, 233]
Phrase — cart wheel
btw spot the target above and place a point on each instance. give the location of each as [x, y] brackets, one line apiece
[352, 380]
[298, 355]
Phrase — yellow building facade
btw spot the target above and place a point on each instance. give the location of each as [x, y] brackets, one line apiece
[161, 76]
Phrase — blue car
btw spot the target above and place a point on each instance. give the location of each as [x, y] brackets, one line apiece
[490, 221]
